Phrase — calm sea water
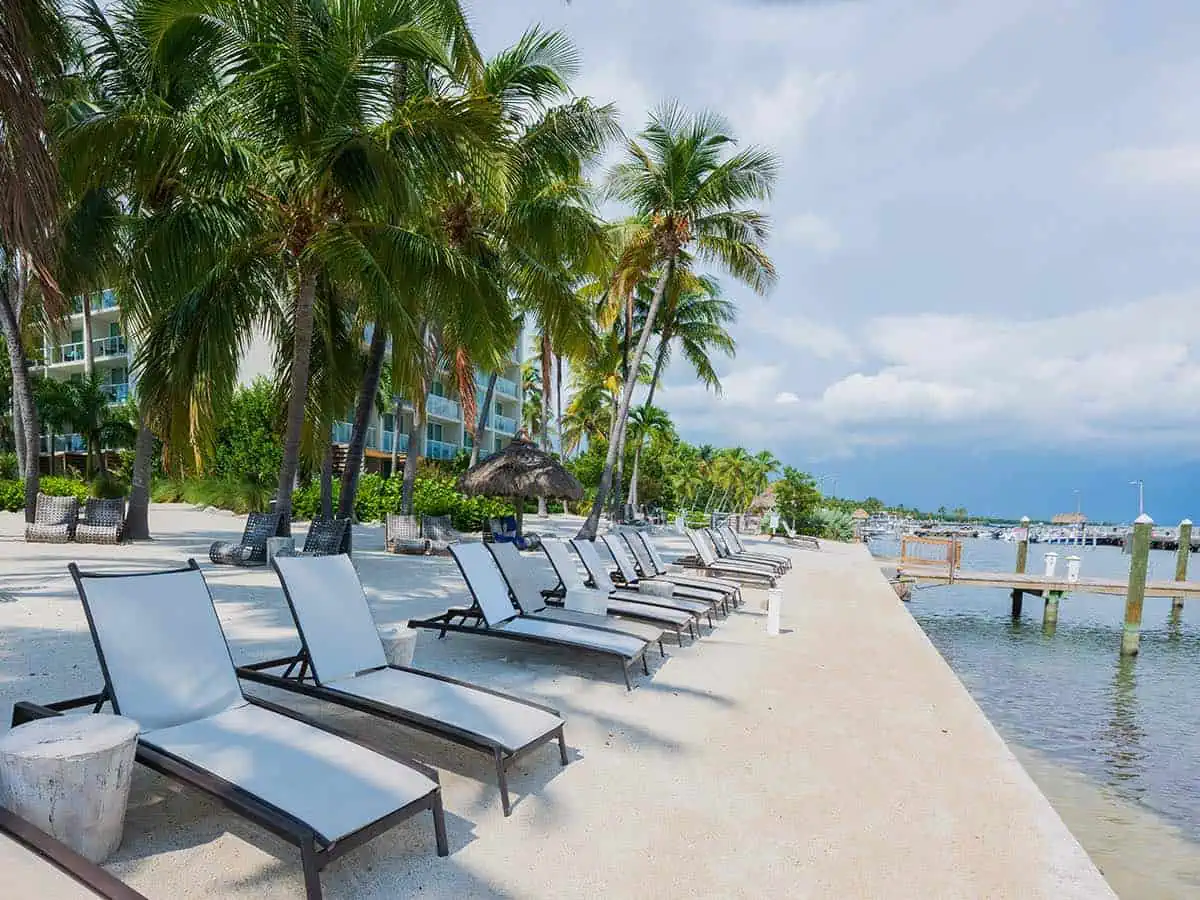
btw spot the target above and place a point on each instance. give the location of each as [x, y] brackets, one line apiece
[1133, 725]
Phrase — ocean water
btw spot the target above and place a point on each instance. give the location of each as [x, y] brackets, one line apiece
[1132, 725]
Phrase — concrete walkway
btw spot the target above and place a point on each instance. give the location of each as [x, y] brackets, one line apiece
[842, 759]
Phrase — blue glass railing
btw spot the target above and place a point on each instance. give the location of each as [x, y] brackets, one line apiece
[442, 407]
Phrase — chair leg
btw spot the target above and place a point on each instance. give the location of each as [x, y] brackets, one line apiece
[661, 650]
[312, 871]
[625, 672]
[562, 746]
[502, 780]
[439, 824]
[645, 665]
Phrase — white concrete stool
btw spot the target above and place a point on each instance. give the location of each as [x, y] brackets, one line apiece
[280, 546]
[653, 588]
[399, 644]
[70, 776]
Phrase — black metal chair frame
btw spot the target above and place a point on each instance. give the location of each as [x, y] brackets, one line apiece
[736, 591]
[707, 604]
[66, 860]
[316, 851]
[445, 622]
[731, 595]
[299, 678]
[735, 550]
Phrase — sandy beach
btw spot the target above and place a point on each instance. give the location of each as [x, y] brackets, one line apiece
[840, 759]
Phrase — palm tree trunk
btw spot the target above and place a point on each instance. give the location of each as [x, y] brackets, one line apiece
[547, 364]
[362, 414]
[327, 481]
[50, 439]
[592, 524]
[22, 387]
[633, 478]
[18, 433]
[637, 450]
[416, 443]
[484, 412]
[89, 353]
[558, 403]
[297, 397]
[137, 515]
[395, 437]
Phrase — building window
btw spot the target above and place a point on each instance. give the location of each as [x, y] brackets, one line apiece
[433, 431]
[438, 389]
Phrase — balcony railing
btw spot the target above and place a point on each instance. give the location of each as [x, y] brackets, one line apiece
[103, 300]
[117, 393]
[442, 407]
[507, 388]
[342, 432]
[502, 424]
[113, 345]
[386, 444]
[441, 450]
[64, 443]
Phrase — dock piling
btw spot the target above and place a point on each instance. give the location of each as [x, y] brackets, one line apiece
[1131, 635]
[1018, 595]
[1050, 612]
[1181, 558]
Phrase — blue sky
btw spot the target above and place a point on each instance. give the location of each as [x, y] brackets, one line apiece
[986, 231]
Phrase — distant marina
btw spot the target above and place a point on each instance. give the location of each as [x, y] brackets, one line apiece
[887, 527]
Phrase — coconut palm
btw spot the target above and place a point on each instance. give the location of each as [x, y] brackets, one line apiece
[689, 189]
[644, 422]
[87, 410]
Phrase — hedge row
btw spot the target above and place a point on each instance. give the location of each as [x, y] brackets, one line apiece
[12, 493]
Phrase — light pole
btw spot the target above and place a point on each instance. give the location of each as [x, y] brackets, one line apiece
[1079, 515]
[1141, 496]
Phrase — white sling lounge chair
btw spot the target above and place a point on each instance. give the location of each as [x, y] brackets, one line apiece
[341, 661]
[658, 566]
[706, 558]
[620, 603]
[35, 865]
[627, 573]
[493, 615]
[601, 580]
[524, 585]
[737, 550]
[646, 571]
[166, 665]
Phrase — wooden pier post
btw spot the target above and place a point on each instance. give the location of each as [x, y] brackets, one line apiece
[1050, 612]
[1181, 558]
[1018, 595]
[1131, 636]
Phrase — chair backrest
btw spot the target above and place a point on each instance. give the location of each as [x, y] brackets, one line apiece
[731, 539]
[108, 513]
[703, 549]
[403, 528]
[259, 527]
[438, 528]
[616, 547]
[658, 564]
[486, 583]
[596, 570]
[160, 644]
[331, 613]
[717, 541]
[326, 537]
[521, 576]
[564, 563]
[640, 556]
[55, 510]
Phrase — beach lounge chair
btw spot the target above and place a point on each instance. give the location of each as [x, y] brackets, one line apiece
[738, 550]
[523, 583]
[600, 579]
[662, 568]
[504, 530]
[644, 555]
[402, 534]
[626, 573]
[251, 550]
[54, 520]
[327, 537]
[492, 614]
[35, 865]
[621, 603]
[341, 661]
[167, 666]
[793, 539]
[707, 560]
[440, 533]
[725, 551]
[103, 521]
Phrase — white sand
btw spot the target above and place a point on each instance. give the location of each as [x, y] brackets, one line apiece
[841, 759]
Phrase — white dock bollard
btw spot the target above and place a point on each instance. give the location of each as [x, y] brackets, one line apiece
[1051, 560]
[774, 602]
[1073, 563]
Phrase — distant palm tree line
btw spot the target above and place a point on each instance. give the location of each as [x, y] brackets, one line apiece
[357, 181]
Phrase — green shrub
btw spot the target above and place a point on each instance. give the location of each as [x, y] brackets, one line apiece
[833, 524]
[109, 487]
[248, 447]
[12, 492]
[8, 466]
[166, 490]
[12, 495]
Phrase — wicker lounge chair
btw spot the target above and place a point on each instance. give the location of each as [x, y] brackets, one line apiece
[600, 579]
[251, 550]
[327, 537]
[402, 534]
[54, 520]
[504, 531]
[103, 522]
[440, 533]
[493, 615]
[643, 555]
[341, 661]
[626, 604]
[167, 666]
[522, 577]
[35, 865]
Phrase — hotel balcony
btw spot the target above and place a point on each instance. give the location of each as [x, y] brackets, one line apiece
[72, 354]
[443, 408]
[343, 430]
[441, 450]
[64, 443]
[117, 393]
[102, 302]
[502, 424]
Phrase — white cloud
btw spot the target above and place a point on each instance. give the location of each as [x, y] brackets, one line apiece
[811, 231]
[1169, 166]
[779, 116]
[786, 397]
[815, 339]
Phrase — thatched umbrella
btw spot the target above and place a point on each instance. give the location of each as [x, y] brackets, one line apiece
[521, 470]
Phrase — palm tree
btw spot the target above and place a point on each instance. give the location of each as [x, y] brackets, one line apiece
[278, 180]
[89, 413]
[688, 191]
[645, 421]
[54, 401]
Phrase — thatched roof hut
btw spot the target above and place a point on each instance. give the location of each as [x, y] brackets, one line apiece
[521, 470]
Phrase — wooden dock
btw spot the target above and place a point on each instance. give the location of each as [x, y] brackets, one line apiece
[1038, 584]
